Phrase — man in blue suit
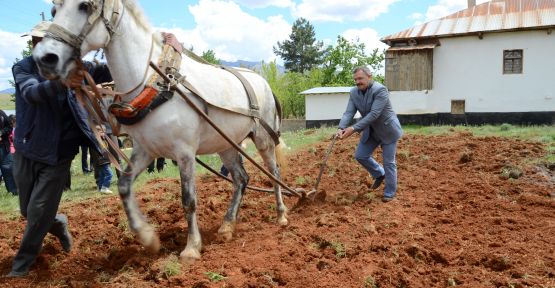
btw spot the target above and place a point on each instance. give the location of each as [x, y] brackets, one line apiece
[379, 127]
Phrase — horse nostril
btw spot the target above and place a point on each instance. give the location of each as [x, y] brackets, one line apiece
[49, 59]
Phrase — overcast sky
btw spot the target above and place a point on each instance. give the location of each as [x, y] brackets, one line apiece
[244, 29]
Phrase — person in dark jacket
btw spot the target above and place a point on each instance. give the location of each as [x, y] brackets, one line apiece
[6, 160]
[50, 127]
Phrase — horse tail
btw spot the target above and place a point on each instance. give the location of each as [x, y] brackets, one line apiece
[280, 156]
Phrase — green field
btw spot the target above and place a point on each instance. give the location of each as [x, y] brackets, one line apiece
[84, 187]
[6, 102]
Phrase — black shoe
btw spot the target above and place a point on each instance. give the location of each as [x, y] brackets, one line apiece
[377, 182]
[17, 274]
[66, 240]
[62, 233]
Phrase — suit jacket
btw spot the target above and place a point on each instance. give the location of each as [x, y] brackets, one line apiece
[378, 121]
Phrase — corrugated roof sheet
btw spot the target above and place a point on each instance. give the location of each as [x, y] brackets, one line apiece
[327, 90]
[497, 15]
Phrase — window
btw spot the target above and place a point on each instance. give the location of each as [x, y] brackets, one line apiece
[409, 69]
[457, 107]
[512, 61]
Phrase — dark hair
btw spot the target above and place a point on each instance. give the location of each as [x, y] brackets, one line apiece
[11, 118]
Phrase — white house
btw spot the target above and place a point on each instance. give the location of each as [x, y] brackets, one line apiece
[325, 105]
[490, 63]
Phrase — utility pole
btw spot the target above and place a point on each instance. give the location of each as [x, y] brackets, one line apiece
[42, 15]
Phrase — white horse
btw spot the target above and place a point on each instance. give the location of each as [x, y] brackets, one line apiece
[173, 130]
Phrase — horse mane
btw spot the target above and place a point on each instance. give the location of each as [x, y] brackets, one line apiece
[137, 12]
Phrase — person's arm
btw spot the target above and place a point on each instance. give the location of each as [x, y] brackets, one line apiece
[346, 120]
[32, 90]
[380, 100]
[348, 115]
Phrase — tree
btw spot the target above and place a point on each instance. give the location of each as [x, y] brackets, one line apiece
[301, 52]
[340, 61]
[288, 86]
[210, 57]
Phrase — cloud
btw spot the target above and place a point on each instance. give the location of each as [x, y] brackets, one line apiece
[447, 7]
[232, 33]
[340, 10]
[368, 36]
[266, 3]
[11, 45]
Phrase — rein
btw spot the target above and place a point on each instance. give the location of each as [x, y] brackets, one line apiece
[92, 102]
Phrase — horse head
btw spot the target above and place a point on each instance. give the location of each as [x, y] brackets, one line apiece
[79, 26]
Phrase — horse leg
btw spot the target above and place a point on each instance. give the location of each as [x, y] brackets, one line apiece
[189, 202]
[267, 150]
[137, 221]
[232, 161]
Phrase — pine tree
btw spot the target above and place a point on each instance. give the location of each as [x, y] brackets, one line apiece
[301, 52]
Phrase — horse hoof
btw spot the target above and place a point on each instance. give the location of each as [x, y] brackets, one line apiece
[149, 239]
[226, 231]
[283, 221]
[189, 256]
[226, 236]
[154, 246]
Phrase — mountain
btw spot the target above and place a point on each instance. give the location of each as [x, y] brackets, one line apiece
[248, 64]
[8, 91]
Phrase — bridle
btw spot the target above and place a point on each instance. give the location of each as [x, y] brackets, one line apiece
[61, 34]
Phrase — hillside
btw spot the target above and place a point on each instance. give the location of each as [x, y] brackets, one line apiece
[6, 102]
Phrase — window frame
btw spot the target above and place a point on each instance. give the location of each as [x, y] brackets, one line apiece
[510, 61]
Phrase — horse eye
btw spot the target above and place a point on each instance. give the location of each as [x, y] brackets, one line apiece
[85, 7]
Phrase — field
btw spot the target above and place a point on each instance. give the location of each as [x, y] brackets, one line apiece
[473, 210]
[6, 102]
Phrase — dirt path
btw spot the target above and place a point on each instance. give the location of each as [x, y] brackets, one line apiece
[459, 220]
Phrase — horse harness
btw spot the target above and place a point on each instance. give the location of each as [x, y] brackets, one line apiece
[98, 7]
[157, 91]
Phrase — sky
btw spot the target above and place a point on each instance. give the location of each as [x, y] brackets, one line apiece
[244, 29]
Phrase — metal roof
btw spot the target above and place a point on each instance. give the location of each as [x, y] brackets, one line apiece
[327, 90]
[497, 15]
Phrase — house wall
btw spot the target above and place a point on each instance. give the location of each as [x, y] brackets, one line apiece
[470, 69]
[326, 106]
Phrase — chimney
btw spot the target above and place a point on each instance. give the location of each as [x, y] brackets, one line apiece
[471, 3]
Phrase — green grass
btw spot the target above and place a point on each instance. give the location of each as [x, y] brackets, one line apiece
[84, 187]
[6, 102]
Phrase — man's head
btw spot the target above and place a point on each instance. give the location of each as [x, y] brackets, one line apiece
[363, 77]
[38, 32]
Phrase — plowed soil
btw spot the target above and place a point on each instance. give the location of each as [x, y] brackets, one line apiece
[470, 212]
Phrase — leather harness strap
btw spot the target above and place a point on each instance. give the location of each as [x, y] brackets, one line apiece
[250, 112]
[253, 102]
